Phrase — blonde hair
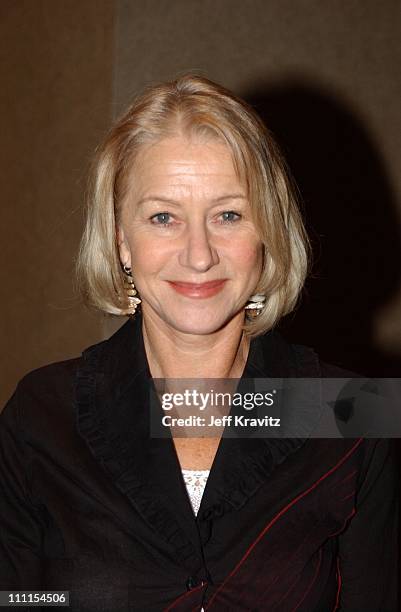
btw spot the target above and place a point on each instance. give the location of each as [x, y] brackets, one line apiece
[195, 105]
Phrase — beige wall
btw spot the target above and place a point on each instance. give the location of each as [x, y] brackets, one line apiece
[56, 81]
[67, 67]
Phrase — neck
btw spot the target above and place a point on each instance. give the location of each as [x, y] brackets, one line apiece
[173, 354]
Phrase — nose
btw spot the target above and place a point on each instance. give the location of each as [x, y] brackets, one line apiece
[198, 252]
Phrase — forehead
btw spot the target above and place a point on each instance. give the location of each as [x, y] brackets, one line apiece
[181, 161]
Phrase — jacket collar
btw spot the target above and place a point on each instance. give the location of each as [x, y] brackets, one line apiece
[112, 406]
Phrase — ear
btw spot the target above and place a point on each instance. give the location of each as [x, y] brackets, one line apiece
[123, 247]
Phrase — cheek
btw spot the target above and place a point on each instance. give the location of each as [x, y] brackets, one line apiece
[149, 255]
[248, 254]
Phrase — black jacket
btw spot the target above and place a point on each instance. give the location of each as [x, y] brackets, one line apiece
[90, 503]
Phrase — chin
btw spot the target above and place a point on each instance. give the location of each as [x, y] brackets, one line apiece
[197, 323]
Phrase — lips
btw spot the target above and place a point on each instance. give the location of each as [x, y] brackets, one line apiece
[198, 290]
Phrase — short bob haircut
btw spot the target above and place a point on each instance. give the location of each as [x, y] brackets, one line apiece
[192, 105]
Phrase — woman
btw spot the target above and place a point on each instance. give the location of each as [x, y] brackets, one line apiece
[193, 230]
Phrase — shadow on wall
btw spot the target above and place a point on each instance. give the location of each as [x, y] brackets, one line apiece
[351, 219]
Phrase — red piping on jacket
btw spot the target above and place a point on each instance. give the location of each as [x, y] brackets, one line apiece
[349, 517]
[339, 583]
[283, 511]
[349, 476]
[184, 595]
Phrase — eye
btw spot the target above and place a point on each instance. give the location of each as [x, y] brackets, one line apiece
[162, 218]
[229, 216]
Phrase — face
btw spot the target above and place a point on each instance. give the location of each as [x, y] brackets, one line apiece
[187, 232]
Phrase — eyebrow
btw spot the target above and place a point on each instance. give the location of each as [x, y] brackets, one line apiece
[157, 198]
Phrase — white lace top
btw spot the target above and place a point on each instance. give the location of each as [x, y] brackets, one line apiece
[195, 482]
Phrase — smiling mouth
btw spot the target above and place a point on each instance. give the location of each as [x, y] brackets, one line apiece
[198, 290]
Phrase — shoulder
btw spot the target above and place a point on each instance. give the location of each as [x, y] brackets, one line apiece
[306, 355]
[52, 390]
[57, 371]
[330, 370]
[285, 358]
[54, 379]
[44, 392]
[44, 389]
